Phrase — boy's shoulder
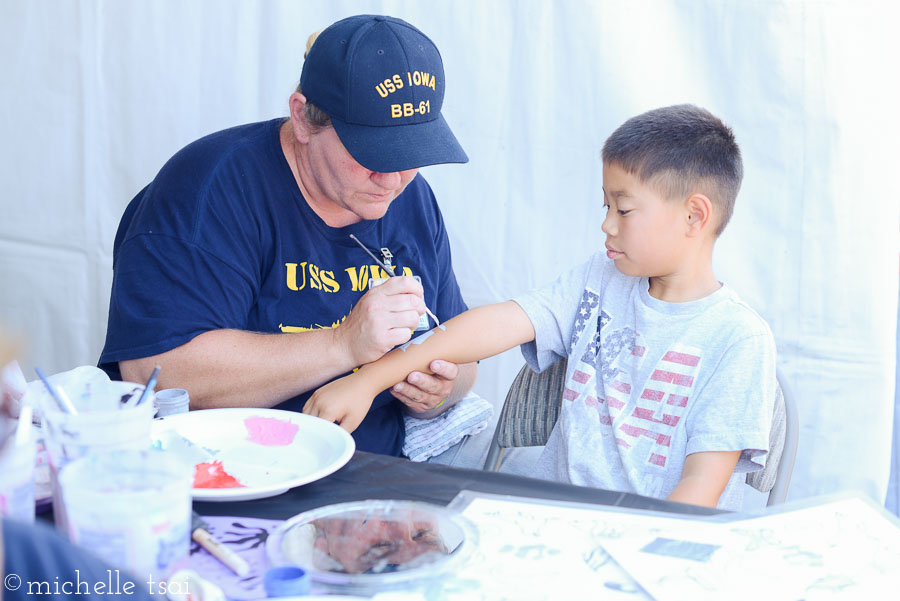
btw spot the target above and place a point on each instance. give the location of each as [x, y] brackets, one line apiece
[734, 310]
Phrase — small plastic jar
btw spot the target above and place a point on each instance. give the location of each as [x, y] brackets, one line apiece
[172, 401]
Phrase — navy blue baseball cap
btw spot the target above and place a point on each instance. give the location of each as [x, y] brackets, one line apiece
[381, 81]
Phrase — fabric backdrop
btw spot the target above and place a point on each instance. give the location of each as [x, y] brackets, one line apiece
[97, 95]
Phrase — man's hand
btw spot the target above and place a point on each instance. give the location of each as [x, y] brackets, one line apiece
[422, 392]
[384, 317]
[344, 401]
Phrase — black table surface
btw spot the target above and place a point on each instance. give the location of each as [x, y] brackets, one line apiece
[371, 476]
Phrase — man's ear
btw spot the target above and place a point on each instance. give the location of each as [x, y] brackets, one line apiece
[297, 104]
[698, 214]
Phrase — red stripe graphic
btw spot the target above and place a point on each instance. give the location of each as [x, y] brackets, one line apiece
[639, 351]
[580, 377]
[682, 358]
[569, 394]
[614, 402]
[633, 430]
[647, 414]
[622, 387]
[652, 395]
[671, 377]
[657, 460]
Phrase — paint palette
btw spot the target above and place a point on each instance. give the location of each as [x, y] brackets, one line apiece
[243, 454]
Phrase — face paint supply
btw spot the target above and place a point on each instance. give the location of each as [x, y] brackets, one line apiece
[65, 406]
[131, 508]
[69, 436]
[389, 269]
[218, 550]
[148, 388]
[17, 459]
[367, 547]
[287, 581]
[172, 401]
[240, 454]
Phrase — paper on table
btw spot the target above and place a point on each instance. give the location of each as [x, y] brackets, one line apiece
[533, 549]
[843, 549]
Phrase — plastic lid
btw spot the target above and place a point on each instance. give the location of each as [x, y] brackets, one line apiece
[287, 581]
[172, 396]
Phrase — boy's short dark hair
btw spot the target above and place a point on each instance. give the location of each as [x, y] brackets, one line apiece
[680, 150]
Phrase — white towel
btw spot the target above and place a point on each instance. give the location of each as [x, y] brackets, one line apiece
[429, 437]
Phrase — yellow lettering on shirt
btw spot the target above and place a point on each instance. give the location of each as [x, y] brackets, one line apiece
[329, 284]
[314, 282]
[291, 276]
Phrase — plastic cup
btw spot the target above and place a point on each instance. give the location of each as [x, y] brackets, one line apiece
[172, 401]
[133, 509]
[17, 481]
[70, 436]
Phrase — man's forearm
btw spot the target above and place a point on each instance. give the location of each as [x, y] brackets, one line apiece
[232, 368]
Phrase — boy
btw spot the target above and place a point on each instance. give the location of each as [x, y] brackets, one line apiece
[671, 377]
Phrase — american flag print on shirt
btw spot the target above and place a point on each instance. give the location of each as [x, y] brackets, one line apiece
[642, 423]
[644, 426]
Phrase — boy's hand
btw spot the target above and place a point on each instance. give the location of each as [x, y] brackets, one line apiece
[344, 401]
[423, 392]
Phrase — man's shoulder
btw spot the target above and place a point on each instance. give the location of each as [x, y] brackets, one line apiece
[215, 148]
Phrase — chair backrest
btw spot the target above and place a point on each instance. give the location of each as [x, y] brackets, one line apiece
[529, 412]
[775, 477]
[532, 408]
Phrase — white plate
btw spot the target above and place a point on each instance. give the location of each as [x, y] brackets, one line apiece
[267, 451]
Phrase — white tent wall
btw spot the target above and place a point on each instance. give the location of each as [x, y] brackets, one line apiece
[97, 95]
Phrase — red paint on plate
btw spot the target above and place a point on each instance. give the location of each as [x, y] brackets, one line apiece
[213, 475]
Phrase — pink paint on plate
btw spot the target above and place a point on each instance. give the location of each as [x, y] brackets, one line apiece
[270, 432]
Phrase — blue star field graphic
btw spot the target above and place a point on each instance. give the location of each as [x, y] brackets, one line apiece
[589, 302]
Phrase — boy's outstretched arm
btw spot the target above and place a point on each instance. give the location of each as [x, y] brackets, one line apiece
[476, 334]
[704, 477]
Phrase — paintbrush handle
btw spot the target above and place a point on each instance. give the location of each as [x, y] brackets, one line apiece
[390, 272]
[151, 384]
[218, 550]
[65, 408]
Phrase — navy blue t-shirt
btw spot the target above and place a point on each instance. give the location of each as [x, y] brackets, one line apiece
[223, 239]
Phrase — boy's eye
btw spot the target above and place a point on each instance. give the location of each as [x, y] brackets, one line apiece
[623, 213]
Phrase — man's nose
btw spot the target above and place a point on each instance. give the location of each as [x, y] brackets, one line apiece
[388, 181]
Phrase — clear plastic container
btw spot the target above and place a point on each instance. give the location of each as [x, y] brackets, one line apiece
[17, 480]
[363, 547]
[131, 508]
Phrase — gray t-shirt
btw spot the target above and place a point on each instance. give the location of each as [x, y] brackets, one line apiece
[650, 382]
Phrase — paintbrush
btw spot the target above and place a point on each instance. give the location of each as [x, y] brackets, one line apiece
[218, 550]
[390, 271]
[151, 384]
[58, 395]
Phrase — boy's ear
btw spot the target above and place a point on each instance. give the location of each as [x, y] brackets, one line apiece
[699, 214]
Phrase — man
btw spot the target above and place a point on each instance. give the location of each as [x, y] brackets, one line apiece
[247, 232]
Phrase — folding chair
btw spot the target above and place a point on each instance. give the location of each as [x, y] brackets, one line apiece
[532, 408]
